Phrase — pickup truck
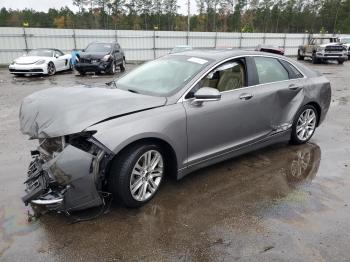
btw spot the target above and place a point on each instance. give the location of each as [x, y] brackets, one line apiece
[323, 48]
[346, 42]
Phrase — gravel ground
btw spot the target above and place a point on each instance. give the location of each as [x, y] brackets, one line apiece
[282, 203]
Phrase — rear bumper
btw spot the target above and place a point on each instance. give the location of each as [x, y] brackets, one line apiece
[93, 67]
[65, 183]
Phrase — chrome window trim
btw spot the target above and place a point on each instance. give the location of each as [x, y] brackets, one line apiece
[182, 98]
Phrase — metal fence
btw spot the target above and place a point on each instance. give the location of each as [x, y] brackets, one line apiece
[138, 45]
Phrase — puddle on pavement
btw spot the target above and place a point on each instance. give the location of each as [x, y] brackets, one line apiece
[14, 222]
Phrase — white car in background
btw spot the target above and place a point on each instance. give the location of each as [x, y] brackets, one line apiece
[346, 42]
[41, 61]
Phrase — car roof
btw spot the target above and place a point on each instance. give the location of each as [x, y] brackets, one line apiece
[52, 49]
[218, 55]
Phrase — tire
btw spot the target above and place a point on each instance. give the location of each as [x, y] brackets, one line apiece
[123, 175]
[302, 128]
[300, 57]
[82, 73]
[341, 61]
[112, 68]
[314, 59]
[123, 65]
[51, 69]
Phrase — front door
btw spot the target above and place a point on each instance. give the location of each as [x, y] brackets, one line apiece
[218, 127]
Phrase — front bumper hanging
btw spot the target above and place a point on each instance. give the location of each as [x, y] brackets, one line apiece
[66, 183]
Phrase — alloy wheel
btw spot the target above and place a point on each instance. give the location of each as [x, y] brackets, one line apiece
[51, 70]
[306, 124]
[146, 175]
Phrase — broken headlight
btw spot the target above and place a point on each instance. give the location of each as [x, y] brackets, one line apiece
[50, 146]
[82, 141]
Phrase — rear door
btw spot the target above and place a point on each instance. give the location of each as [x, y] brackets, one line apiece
[280, 91]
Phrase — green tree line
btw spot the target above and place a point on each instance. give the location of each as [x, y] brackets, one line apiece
[284, 16]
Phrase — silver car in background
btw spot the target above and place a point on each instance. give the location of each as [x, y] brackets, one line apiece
[168, 117]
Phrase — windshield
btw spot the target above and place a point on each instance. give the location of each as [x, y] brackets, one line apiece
[345, 40]
[41, 52]
[100, 47]
[162, 77]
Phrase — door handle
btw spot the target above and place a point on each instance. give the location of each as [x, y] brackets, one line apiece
[294, 87]
[245, 96]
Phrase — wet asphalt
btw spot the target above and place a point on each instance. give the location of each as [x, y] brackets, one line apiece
[282, 203]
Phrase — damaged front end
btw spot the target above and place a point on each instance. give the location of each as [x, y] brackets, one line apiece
[67, 173]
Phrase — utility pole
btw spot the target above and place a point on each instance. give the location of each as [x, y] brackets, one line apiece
[188, 20]
[188, 15]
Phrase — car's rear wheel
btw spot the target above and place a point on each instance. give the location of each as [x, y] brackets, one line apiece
[300, 57]
[51, 69]
[136, 174]
[123, 65]
[304, 124]
[82, 73]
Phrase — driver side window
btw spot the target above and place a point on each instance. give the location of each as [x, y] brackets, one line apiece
[57, 53]
[226, 77]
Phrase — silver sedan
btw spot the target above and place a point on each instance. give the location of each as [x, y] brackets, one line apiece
[168, 117]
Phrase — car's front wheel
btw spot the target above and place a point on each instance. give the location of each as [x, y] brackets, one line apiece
[123, 65]
[341, 61]
[300, 57]
[112, 68]
[136, 174]
[51, 69]
[304, 125]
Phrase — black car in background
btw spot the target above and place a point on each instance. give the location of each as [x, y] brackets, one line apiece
[100, 57]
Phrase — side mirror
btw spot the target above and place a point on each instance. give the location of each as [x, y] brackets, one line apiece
[57, 55]
[206, 94]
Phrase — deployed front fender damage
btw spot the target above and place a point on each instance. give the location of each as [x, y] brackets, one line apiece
[71, 177]
[70, 181]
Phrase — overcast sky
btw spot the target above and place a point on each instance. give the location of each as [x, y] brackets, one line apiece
[44, 5]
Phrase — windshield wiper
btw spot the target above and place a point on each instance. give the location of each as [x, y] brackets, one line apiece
[133, 91]
[112, 83]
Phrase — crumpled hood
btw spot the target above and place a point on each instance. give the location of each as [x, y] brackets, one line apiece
[62, 111]
[28, 59]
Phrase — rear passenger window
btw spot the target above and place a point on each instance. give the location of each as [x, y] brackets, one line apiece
[293, 72]
[270, 70]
